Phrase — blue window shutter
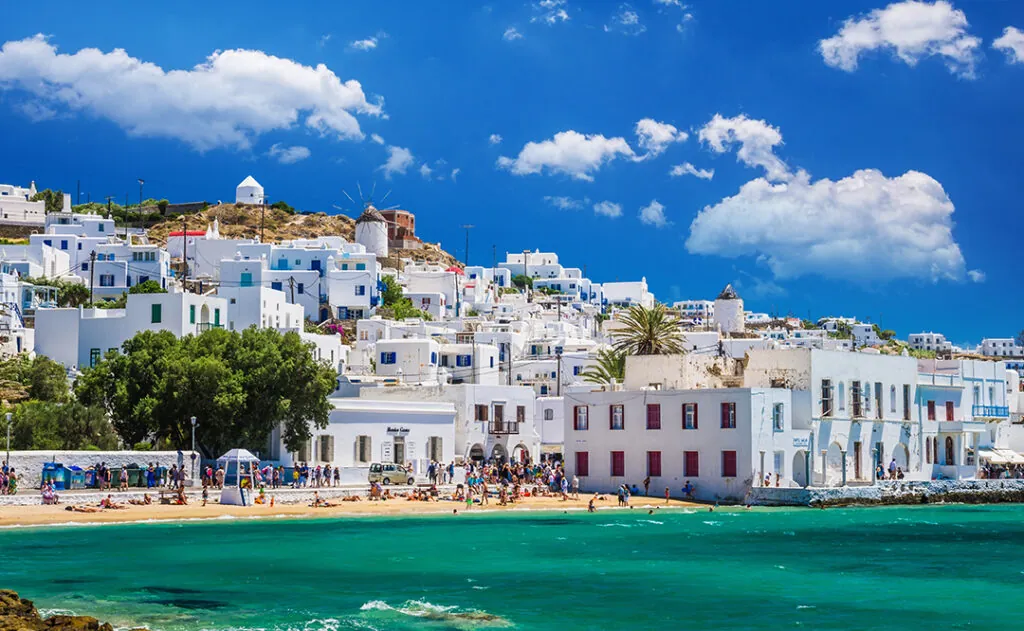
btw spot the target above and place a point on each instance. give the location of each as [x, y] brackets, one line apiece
[275, 285]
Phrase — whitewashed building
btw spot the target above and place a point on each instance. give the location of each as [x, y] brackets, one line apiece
[249, 191]
[18, 209]
[936, 342]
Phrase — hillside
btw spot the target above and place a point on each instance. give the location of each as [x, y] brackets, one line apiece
[243, 222]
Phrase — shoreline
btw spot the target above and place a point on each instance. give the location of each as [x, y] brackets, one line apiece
[55, 515]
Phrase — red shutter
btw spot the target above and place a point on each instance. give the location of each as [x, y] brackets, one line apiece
[618, 464]
[931, 410]
[725, 415]
[582, 464]
[728, 464]
[653, 416]
[691, 464]
[654, 464]
[949, 411]
[695, 416]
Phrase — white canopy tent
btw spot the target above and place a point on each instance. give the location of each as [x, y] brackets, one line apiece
[238, 464]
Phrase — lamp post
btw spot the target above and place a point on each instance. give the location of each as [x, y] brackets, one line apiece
[8, 461]
[193, 419]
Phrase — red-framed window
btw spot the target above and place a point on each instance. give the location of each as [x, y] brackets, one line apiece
[582, 464]
[618, 464]
[728, 464]
[617, 416]
[931, 410]
[653, 416]
[579, 418]
[691, 464]
[729, 416]
[950, 412]
[689, 416]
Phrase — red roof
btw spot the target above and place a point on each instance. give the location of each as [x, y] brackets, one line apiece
[456, 270]
[191, 233]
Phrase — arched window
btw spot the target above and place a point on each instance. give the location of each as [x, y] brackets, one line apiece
[842, 395]
[549, 414]
[950, 459]
[892, 398]
[928, 450]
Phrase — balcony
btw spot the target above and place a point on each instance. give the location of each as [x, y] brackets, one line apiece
[503, 427]
[206, 326]
[991, 411]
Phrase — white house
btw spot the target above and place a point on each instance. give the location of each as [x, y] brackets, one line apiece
[249, 191]
[120, 266]
[81, 224]
[930, 342]
[1001, 347]
[18, 209]
[36, 259]
[470, 363]
[626, 294]
[411, 361]
[550, 420]
[702, 310]
[81, 337]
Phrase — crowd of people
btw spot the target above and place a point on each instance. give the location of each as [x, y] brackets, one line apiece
[8, 480]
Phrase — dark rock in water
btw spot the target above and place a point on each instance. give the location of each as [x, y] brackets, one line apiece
[160, 589]
[191, 603]
[18, 614]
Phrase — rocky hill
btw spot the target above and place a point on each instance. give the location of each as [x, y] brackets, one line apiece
[240, 221]
[18, 614]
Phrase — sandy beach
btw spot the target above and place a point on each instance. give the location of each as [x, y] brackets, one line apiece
[50, 515]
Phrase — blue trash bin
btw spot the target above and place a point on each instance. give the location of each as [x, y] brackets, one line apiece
[53, 473]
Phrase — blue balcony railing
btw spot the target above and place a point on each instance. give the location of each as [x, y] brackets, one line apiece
[991, 411]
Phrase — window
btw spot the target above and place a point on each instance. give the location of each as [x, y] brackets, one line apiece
[928, 450]
[654, 464]
[100, 227]
[549, 414]
[691, 464]
[653, 416]
[580, 422]
[94, 356]
[616, 417]
[728, 464]
[857, 399]
[906, 402]
[520, 414]
[931, 410]
[689, 416]
[481, 412]
[216, 317]
[191, 314]
[499, 415]
[360, 266]
[360, 290]
[388, 358]
[326, 448]
[576, 370]
[433, 357]
[729, 416]
[275, 285]
[950, 454]
[826, 397]
[778, 418]
[300, 288]
[949, 411]
[618, 464]
[246, 279]
[582, 464]
[85, 267]
[106, 280]
[842, 396]
[363, 450]
[878, 400]
[63, 244]
[155, 313]
[892, 399]
[464, 360]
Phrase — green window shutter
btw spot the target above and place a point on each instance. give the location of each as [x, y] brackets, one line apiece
[192, 314]
[156, 312]
[216, 317]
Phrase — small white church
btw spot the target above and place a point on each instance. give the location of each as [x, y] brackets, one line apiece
[249, 192]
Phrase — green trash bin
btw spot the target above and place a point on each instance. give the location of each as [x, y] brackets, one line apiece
[115, 477]
[135, 477]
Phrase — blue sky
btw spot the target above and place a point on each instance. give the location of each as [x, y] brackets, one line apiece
[863, 154]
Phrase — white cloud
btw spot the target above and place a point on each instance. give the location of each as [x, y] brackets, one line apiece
[399, 161]
[320, 43]
[288, 155]
[512, 34]
[688, 169]
[495, 139]
[550, 11]
[910, 30]
[561, 202]
[976, 276]
[226, 101]
[671, 3]
[654, 137]
[863, 227]
[608, 209]
[455, 172]
[367, 44]
[377, 138]
[1012, 43]
[757, 140]
[626, 21]
[426, 171]
[569, 152]
[653, 214]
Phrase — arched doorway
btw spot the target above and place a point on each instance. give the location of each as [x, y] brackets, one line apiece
[498, 453]
[950, 451]
[521, 454]
[800, 468]
[902, 456]
[834, 465]
[204, 315]
[476, 453]
[325, 314]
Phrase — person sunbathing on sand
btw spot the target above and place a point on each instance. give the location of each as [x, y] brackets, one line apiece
[145, 501]
[107, 502]
[351, 498]
[82, 509]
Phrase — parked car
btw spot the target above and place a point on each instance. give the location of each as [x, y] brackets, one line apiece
[389, 473]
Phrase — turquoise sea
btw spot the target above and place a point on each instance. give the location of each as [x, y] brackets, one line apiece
[932, 567]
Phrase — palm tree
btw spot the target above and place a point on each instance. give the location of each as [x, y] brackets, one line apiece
[611, 364]
[648, 332]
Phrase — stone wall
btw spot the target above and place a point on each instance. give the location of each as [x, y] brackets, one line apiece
[891, 493]
[28, 465]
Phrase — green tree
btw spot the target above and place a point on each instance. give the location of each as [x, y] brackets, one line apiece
[69, 293]
[40, 378]
[241, 386]
[54, 199]
[392, 293]
[162, 206]
[883, 334]
[404, 309]
[522, 281]
[60, 426]
[648, 332]
[1020, 338]
[283, 205]
[611, 364]
[147, 287]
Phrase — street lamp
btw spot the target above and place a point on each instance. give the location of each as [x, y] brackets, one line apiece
[193, 419]
[8, 461]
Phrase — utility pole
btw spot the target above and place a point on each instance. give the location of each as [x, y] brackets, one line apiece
[263, 213]
[291, 285]
[109, 198]
[88, 198]
[141, 182]
[526, 273]
[558, 382]
[184, 249]
[467, 227]
[92, 273]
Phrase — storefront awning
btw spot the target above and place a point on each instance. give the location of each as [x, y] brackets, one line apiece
[1001, 456]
